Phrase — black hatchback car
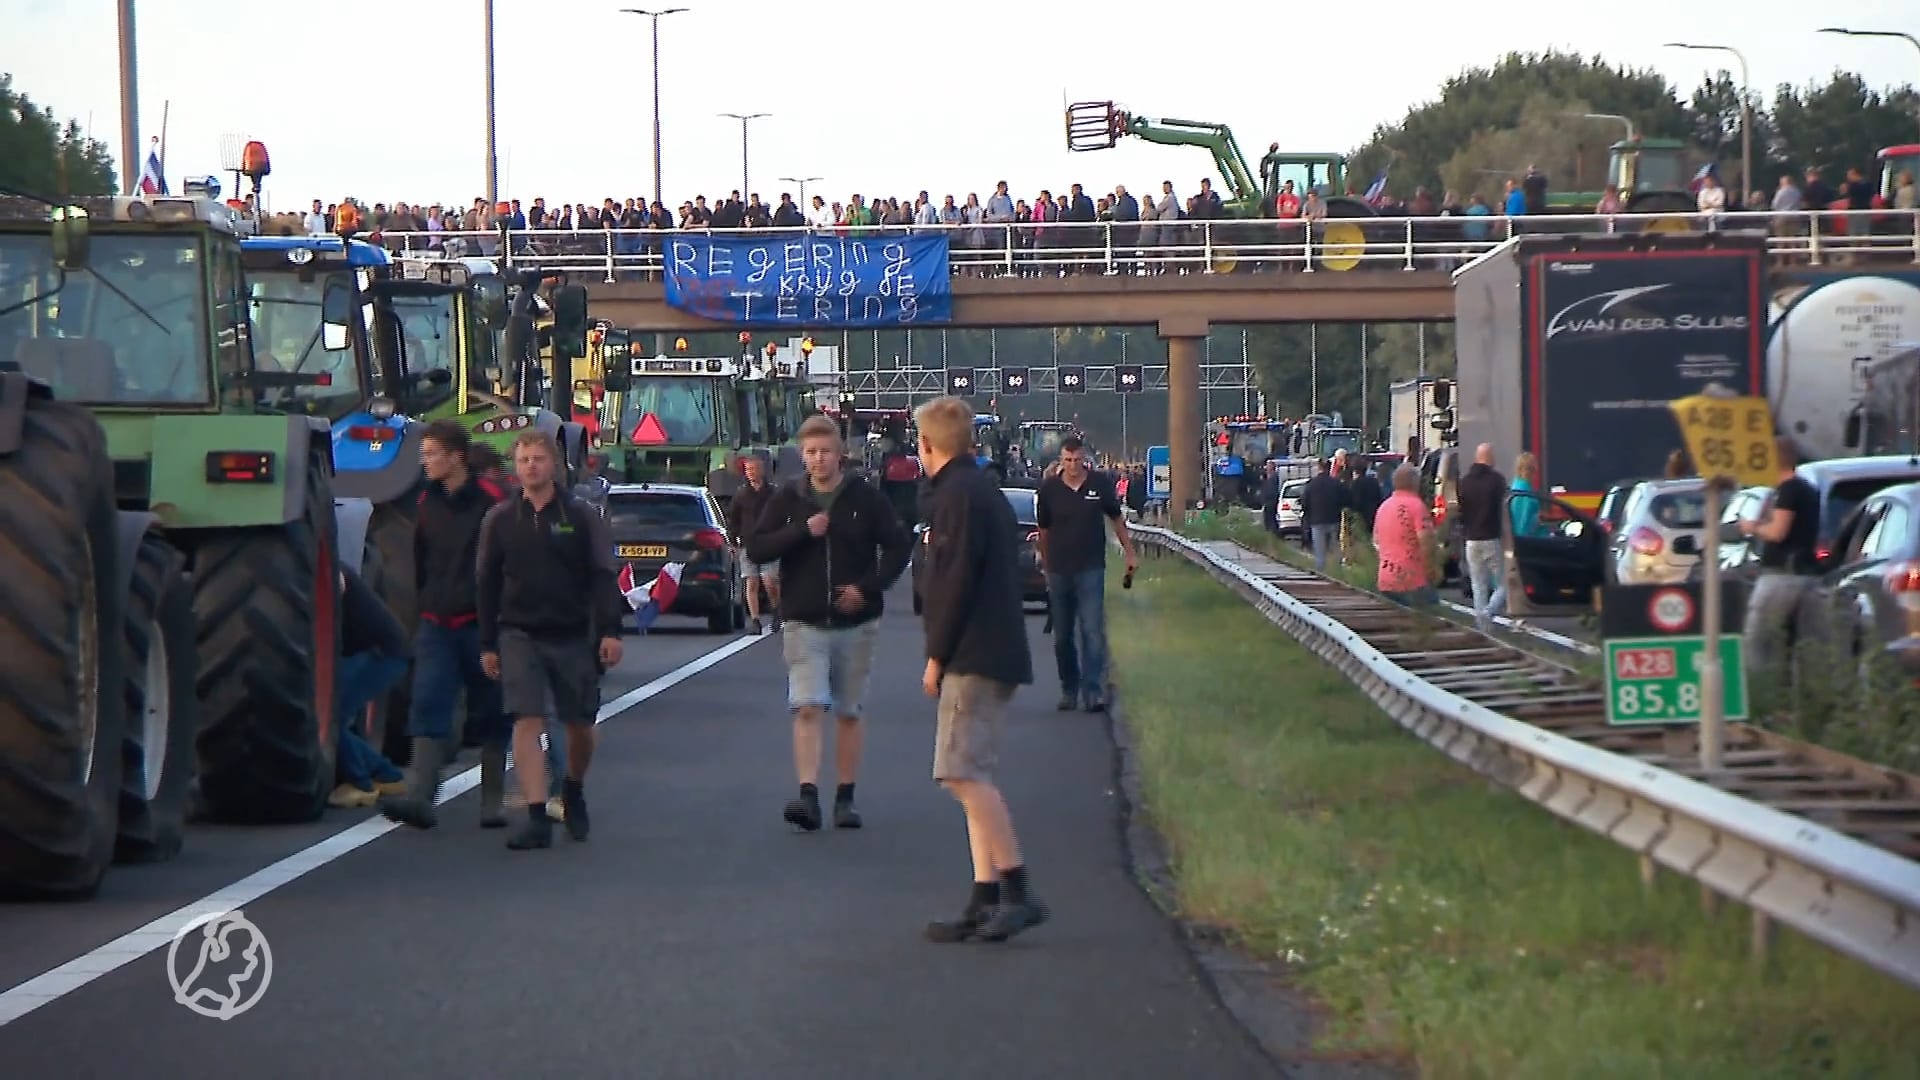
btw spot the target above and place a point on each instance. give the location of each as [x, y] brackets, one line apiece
[657, 524]
[1033, 583]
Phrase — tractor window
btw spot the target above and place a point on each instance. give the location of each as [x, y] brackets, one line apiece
[683, 410]
[131, 329]
[1252, 446]
[429, 332]
[753, 412]
[1661, 170]
[287, 338]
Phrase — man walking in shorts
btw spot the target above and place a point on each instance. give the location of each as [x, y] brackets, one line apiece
[977, 654]
[549, 620]
[839, 548]
[742, 512]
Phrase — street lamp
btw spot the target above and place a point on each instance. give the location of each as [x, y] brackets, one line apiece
[659, 192]
[803, 181]
[1844, 32]
[1746, 109]
[743, 118]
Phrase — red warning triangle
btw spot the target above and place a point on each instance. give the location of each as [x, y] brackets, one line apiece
[649, 432]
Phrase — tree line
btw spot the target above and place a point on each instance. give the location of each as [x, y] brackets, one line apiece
[43, 156]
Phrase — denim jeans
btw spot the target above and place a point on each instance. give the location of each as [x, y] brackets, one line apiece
[1424, 596]
[446, 659]
[1326, 538]
[1079, 603]
[1489, 581]
[358, 681]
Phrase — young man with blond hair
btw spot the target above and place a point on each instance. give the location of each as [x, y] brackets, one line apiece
[839, 548]
[977, 654]
[549, 621]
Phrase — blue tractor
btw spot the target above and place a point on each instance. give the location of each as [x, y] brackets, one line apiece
[989, 445]
[314, 305]
[1242, 446]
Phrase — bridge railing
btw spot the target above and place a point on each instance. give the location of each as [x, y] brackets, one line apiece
[1211, 247]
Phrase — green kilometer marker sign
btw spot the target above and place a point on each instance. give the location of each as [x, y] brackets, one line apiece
[1656, 680]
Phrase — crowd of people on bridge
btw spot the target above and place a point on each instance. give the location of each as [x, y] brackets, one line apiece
[1073, 224]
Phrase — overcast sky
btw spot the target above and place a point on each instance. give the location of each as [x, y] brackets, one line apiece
[384, 99]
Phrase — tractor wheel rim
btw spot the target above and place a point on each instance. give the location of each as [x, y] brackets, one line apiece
[158, 713]
[87, 672]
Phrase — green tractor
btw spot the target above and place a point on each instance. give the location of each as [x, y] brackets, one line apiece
[1338, 243]
[1652, 176]
[679, 419]
[466, 343]
[167, 502]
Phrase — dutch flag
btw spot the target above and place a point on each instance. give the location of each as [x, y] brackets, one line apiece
[152, 182]
[1377, 190]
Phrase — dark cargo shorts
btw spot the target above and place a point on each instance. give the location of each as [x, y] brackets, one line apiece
[549, 677]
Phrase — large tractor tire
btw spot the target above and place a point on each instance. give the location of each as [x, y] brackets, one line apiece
[390, 539]
[61, 715]
[1340, 241]
[158, 766]
[1664, 212]
[268, 607]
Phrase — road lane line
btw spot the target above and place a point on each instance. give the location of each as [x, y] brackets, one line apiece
[53, 985]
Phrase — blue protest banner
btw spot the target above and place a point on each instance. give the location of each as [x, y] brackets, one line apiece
[813, 279]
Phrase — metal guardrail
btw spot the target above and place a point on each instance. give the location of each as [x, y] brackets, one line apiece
[1224, 246]
[1855, 898]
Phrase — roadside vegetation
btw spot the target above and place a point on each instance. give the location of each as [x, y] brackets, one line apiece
[1438, 919]
[1870, 713]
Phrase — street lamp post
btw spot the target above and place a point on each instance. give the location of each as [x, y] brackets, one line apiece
[744, 118]
[1746, 111]
[130, 103]
[493, 153]
[659, 191]
[803, 181]
[1844, 32]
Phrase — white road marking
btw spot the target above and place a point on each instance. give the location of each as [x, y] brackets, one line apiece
[50, 986]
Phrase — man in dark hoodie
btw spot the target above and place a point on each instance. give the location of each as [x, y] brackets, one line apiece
[446, 647]
[1321, 503]
[839, 547]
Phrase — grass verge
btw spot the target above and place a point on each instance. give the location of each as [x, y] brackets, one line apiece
[1435, 917]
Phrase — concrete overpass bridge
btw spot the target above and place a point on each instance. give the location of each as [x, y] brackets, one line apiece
[1180, 278]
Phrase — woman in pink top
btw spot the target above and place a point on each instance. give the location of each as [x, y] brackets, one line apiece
[1401, 529]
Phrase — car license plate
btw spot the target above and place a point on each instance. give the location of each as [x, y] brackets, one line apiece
[643, 551]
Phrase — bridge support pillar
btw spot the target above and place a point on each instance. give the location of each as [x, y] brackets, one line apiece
[1184, 338]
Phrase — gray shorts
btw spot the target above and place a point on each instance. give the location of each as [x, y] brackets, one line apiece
[828, 667]
[549, 677]
[764, 571]
[966, 741]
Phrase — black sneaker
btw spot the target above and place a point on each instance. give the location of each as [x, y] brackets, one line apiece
[1006, 920]
[1096, 703]
[573, 797]
[753, 627]
[804, 812]
[952, 931]
[844, 815]
[536, 833]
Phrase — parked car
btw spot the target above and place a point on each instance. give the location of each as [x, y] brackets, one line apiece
[657, 524]
[1867, 603]
[1026, 514]
[1558, 566]
[1287, 514]
[1657, 533]
[1613, 504]
[1843, 485]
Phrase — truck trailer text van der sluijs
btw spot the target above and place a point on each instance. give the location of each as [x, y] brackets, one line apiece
[1572, 347]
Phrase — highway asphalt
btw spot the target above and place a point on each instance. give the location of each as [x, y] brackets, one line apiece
[695, 934]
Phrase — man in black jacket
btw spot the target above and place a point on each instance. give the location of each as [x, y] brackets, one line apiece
[549, 624]
[976, 655]
[446, 538]
[1483, 508]
[1322, 502]
[743, 510]
[840, 548]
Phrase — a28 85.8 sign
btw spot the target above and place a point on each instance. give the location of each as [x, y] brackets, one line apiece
[1730, 436]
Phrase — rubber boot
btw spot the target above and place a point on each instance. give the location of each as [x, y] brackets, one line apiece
[416, 807]
[493, 787]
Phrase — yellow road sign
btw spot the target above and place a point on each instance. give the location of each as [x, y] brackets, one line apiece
[1730, 436]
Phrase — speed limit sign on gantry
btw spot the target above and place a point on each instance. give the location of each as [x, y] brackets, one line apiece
[1013, 380]
[960, 381]
[1128, 378]
[1073, 379]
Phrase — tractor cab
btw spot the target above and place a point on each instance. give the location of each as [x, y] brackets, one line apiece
[1895, 162]
[310, 303]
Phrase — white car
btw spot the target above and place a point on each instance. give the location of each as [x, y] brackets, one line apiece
[1287, 514]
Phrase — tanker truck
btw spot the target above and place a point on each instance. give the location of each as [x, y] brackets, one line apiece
[1827, 334]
